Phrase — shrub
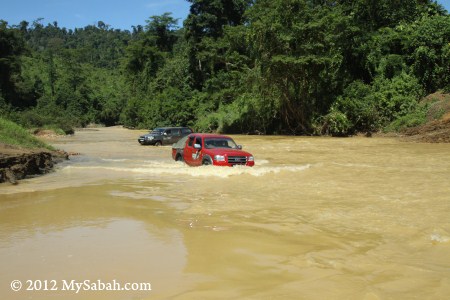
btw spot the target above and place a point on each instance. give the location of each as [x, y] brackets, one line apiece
[369, 108]
[40, 118]
[334, 123]
[360, 107]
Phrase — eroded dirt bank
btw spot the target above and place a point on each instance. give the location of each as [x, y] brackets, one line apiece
[437, 131]
[18, 163]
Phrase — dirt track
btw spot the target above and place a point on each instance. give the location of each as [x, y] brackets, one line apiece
[432, 132]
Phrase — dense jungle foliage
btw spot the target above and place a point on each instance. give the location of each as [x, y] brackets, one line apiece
[236, 66]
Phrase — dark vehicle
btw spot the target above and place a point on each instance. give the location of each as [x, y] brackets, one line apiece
[164, 136]
[211, 149]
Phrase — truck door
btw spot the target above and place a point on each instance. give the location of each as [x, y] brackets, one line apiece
[167, 137]
[198, 153]
[192, 156]
[176, 135]
[189, 150]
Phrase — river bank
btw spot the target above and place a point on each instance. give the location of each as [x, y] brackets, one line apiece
[18, 163]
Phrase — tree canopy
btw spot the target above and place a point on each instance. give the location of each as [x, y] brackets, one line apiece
[237, 66]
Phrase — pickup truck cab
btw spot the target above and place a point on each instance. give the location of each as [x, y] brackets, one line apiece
[211, 149]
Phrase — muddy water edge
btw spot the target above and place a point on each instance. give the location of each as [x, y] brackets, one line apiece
[316, 218]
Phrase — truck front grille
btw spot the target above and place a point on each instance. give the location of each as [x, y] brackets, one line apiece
[237, 160]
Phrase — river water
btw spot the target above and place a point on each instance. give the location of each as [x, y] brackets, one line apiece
[316, 218]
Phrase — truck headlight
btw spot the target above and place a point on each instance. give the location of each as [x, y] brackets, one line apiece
[219, 157]
[149, 138]
[251, 158]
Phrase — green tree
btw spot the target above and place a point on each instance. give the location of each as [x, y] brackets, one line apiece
[12, 88]
[164, 30]
[375, 14]
[299, 48]
[428, 49]
[204, 29]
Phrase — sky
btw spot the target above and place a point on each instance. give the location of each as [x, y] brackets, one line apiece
[118, 14]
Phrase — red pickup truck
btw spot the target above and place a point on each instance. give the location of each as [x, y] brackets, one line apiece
[199, 149]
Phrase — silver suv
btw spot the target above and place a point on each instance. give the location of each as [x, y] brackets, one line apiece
[164, 136]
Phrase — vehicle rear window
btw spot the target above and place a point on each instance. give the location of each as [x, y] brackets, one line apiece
[186, 130]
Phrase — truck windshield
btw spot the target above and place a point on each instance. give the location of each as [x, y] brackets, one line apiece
[157, 131]
[220, 143]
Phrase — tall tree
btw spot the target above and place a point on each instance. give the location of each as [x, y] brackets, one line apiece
[204, 27]
[299, 47]
[12, 89]
[375, 14]
[163, 28]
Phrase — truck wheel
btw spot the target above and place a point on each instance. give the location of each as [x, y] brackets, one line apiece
[158, 143]
[207, 161]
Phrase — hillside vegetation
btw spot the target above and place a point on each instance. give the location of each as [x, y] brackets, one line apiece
[431, 122]
[242, 66]
[13, 134]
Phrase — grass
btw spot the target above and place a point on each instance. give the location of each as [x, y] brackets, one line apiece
[13, 134]
[416, 118]
[431, 108]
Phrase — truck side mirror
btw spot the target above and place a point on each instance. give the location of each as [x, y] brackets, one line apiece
[239, 146]
[197, 146]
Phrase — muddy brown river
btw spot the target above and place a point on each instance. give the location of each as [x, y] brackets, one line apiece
[316, 218]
